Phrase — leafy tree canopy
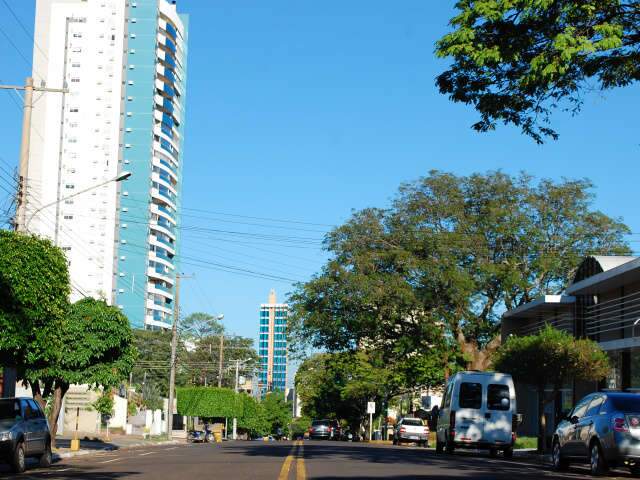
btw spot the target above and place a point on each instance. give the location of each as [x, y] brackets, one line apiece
[34, 291]
[516, 60]
[277, 412]
[438, 268]
[550, 358]
[199, 325]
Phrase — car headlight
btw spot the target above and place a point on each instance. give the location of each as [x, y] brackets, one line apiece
[4, 436]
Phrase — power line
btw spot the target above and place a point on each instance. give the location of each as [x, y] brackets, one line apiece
[24, 29]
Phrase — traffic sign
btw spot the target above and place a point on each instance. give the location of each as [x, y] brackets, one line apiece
[371, 407]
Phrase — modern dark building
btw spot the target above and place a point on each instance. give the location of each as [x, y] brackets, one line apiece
[601, 303]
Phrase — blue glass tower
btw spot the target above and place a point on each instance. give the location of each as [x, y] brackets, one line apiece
[272, 347]
[152, 141]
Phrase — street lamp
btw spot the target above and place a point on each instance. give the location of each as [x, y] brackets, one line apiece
[118, 178]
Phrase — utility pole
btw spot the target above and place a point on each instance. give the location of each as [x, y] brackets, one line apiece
[25, 143]
[174, 347]
[235, 420]
[221, 359]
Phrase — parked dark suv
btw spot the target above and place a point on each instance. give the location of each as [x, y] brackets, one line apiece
[24, 432]
[603, 430]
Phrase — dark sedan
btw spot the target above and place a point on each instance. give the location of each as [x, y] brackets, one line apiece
[603, 430]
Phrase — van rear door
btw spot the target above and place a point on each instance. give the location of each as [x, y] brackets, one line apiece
[469, 419]
[499, 414]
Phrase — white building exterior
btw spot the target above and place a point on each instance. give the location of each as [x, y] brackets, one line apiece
[124, 65]
[75, 137]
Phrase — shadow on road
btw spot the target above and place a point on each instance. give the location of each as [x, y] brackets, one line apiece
[462, 465]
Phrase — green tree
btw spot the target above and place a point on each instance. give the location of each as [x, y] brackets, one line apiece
[34, 292]
[98, 351]
[253, 420]
[199, 325]
[431, 275]
[104, 404]
[339, 385]
[515, 61]
[277, 413]
[550, 358]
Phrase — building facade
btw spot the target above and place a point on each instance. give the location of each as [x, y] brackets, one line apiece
[124, 65]
[272, 347]
[601, 303]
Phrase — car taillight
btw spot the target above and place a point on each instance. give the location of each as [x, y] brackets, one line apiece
[402, 429]
[330, 429]
[452, 424]
[620, 424]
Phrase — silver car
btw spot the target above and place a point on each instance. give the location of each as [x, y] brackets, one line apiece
[603, 430]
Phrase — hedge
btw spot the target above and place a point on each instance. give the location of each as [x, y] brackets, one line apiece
[209, 402]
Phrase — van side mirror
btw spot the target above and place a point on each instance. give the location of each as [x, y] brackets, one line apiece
[574, 419]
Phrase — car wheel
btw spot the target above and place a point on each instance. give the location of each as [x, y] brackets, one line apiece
[45, 458]
[448, 446]
[596, 460]
[493, 452]
[508, 452]
[18, 462]
[559, 462]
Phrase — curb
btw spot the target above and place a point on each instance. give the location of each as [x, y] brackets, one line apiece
[63, 455]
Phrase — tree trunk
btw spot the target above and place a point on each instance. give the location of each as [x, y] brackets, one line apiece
[479, 358]
[56, 405]
[542, 422]
[37, 394]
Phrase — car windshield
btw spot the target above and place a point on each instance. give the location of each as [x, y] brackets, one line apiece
[318, 423]
[626, 404]
[412, 421]
[9, 409]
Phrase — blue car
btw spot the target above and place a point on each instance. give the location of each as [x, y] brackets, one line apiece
[602, 430]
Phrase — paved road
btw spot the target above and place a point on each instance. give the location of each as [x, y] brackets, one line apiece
[290, 461]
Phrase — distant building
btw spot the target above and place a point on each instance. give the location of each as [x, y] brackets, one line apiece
[272, 347]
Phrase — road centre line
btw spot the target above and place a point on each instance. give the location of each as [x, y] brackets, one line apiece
[301, 471]
[147, 453]
[286, 466]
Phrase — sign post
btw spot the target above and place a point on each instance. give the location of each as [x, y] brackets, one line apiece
[371, 409]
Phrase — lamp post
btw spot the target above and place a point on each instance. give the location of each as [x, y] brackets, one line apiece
[235, 419]
[120, 177]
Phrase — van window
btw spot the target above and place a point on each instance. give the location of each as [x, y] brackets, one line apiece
[470, 395]
[446, 403]
[498, 397]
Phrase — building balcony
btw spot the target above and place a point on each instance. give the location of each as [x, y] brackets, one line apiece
[167, 262]
[164, 180]
[159, 306]
[158, 227]
[161, 242]
[164, 276]
[160, 290]
[163, 212]
[158, 147]
[163, 197]
[151, 321]
[166, 166]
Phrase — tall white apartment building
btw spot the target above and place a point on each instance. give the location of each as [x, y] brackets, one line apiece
[124, 65]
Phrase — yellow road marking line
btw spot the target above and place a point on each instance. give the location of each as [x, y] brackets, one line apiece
[301, 471]
[286, 466]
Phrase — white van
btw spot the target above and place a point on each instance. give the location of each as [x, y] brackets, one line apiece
[478, 411]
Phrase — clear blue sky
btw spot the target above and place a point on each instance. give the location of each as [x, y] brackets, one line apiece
[302, 110]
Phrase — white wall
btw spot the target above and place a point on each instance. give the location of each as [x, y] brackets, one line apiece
[82, 44]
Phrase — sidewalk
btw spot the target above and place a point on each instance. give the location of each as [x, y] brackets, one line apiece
[93, 444]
